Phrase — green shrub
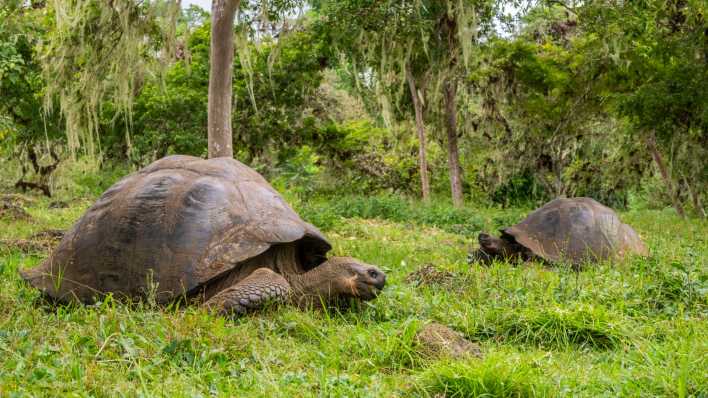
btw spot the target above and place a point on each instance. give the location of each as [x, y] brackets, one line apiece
[298, 172]
[85, 178]
[321, 216]
[519, 190]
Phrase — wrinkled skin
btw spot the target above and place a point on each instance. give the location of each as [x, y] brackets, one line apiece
[215, 230]
[336, 279]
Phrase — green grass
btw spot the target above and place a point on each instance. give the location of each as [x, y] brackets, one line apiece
[637, 328]
[495, 376]
[326, 213]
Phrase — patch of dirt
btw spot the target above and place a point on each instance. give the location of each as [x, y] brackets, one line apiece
[40, 242]
[49, 234]
[436, 341]
[17, 199]
[24, 245]
[13, 212]
[58, 204]
[430, 275]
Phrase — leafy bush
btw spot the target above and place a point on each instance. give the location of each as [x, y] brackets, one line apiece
[518, 190]
[85, 178]
[299, 172]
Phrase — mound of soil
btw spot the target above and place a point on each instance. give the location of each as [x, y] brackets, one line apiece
[436, 341]
[40, 242]
[430, 275]
[49, 234]
[58, 204]
[13, 212]
[17, 199]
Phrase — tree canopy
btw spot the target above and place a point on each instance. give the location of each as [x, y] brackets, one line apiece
[498, 102]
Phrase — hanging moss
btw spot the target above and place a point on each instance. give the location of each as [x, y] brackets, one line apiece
[243, 50]
[436, 39]
[99, 52]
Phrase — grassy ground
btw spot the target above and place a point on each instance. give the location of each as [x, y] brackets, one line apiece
[638, 328]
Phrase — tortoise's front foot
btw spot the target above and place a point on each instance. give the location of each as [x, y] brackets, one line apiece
[262, 286]
[479, 256]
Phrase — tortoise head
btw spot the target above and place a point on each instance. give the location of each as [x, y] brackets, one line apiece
[490, 244]
[503, 248]
[349, 277]
[489, 248]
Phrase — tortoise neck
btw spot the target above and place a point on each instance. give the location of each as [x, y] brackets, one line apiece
[284, 260]
[312, 286]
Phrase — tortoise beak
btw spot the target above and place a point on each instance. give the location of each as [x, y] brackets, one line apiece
[375, 279]
[378, 278]
[484, 239]
[372, 279]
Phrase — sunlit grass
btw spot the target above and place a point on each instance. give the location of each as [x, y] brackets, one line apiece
[637, 328]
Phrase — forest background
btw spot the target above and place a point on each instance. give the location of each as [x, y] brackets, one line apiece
[515, 103]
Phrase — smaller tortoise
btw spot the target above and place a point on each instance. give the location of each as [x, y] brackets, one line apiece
[575, 230]
[208, 229]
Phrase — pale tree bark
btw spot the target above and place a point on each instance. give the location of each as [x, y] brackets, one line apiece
[420, 128]
[453, 155]
[696, 198]
[659, 160]
[220, 77]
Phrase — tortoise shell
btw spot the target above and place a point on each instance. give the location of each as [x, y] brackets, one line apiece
[176, 224]
[576, 230]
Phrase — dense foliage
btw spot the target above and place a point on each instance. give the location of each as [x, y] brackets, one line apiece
[553, 99]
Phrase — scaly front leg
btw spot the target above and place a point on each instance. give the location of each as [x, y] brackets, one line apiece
[261, 286]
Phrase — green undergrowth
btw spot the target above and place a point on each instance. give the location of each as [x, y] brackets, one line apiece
[634, 328]
[469, 221]
[558, 327]
[495, 376]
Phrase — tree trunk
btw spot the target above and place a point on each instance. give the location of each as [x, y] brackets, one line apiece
[453, 156]
[420, 127]
[651, 144]
[697, 205]
[220, 77]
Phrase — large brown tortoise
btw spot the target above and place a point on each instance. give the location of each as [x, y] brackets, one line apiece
[212, 229]
[574, 230]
